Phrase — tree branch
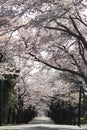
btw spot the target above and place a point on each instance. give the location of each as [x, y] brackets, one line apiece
[56, 67]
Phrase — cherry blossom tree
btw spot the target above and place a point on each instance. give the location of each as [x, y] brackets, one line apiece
[42, 38]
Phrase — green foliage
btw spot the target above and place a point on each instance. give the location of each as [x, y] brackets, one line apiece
[26, 115]
[11, 104]
[62, 112]
[8, 96]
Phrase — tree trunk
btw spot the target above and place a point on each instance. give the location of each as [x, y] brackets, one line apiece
[1, 103]
[79, 107]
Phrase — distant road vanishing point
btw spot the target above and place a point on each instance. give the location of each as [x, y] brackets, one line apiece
[41, 123]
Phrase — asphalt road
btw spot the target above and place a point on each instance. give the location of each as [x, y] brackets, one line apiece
[41, 123]
[41, 127]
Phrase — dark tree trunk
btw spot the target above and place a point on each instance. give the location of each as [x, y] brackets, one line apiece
[79, 107]
[1, 103]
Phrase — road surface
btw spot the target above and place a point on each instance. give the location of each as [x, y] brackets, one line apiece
[41, 123]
